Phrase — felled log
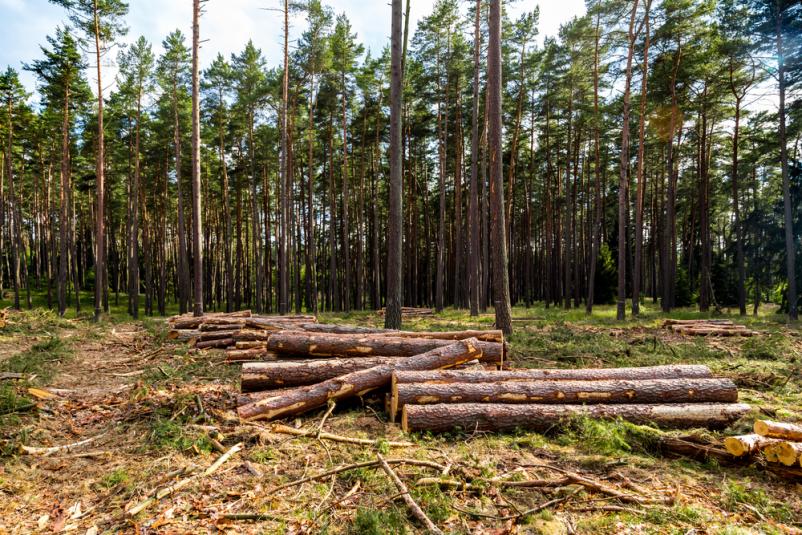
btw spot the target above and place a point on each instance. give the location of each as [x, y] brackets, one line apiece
[697, 322]
[484, 336]
[747, 444]
[789, 453]
[190, 321]
[251, 335]
[281, 374]
[341, 329]
[245, 355]
[771, 453]
[586, 374]
[535, 417]
[566, 392]
[204, 336]
[333, 345]
[785, 431]
[182, 335]
[251, 397]
[713, 331]
[250, 344]
[305, 398]
[215, 344]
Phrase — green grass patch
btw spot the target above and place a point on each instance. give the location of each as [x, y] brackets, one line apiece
[739, 496]
[40, 360]
[377, 522]
[614, 437]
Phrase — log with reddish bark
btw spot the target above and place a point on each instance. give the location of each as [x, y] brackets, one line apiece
[340, 345]
[250, 397]
[483, 335]
[565, 392]
[688, 371]
[712, 331]
[785, 431]
[357, 383]
[670, 321]
[234, 356]
[747, 444]
[251, 335]
[190, 321]
[341, 329]
[221, 343]
[250, 344]
[235, 326]
[182, 335]
[536, 417]
[281, 374]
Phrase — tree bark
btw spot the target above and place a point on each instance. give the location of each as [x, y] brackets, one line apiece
[473, 202]
[473, 417]
[565, 392]
[197, 221]
[358, 383]
[785, 431]
[501, 287]
[282, 374]
[392, 316]
[687, 371]
[100, 229]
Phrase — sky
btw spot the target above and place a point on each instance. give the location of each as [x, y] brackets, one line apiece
[227, 25]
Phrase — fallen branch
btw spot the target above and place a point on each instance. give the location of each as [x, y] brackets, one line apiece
[596, 485]
[30, 450]
[417, 512]
[287, 430]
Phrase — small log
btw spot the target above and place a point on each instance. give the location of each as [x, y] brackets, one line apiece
[584, 374]
[251, 335]
[215, 344]
[205, 327]
[251, 397]
[500, 417]
[204, 336]
[747, 444]
[772, 453]
[329, 345]
[280, 374]
[244, 355]
[566, 392]
[183, 335]
[306, 398]
[785, 431]
[250, 344]
[789, 453]
[267, 325]
[189, 321]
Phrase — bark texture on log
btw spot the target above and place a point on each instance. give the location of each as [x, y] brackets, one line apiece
[205, 327]
[357, 383]
[484, 336]
[215, 344]
[566, 392]
[280, 374]
[747, 444]
[250, 344]
[245, 355]
[182, 335]
[500, 417]
[586, 374]
[696, 322]
[785, 431]
[250, 335]
[328, 345]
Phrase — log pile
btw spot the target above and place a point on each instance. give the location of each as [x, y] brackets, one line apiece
[707, 328]
[776, 442]
[537, 400]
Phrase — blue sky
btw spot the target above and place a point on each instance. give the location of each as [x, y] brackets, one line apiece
[228, 24]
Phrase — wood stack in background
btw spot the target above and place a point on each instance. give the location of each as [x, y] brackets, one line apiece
[707, 328]
[669, 396]
[777, 442]
[411, 312]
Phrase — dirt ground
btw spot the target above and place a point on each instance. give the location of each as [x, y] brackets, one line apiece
[151, 414]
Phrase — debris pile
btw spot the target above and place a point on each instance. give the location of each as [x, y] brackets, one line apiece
[777, 443]
[707, 328]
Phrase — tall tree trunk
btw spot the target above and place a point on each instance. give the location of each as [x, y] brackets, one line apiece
[669, 226]
[14, 230]
[473, 203]
[595, 232]
[501, 289]
[346, 200]
[311, 253]
[623, 184]
[736, 205]
[641, 176]
[133, 236]
[197, 249]
[100, 230]
[183, 260]
[790, 245]
[392, 316]
[284, 277]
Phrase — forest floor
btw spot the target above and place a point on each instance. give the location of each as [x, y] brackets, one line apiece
[149, 405]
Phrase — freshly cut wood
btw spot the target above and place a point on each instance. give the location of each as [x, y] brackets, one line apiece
[279, 374]
[587, 374]
[334, 345]
[206, 327]
[250, 344]
[357, 383]
[785, 431]
[747, 444]
[244, 355]
[190, 321]
[789, 453]
[566, 392]
[771, 453]
[536, 417]
[215, 344]
[251, 335]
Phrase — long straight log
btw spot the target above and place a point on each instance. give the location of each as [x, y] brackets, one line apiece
[785, 431]
[566, 392]
[747, 444]
[190, 321]
[182, 335]
[280, 374]
[482, 335]
[251, 335]
[357, 383]
[689, 371]
[535, 417]
[332, 345]
[250, 344]
[250, 397]
[203, 336]
[245, 355]
[669, 321]
[215, 344]
[206, 327]
[341, 329]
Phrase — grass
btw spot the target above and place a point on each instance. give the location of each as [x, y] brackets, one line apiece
[40, 360]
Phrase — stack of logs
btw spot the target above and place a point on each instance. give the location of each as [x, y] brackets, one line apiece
[669, 396]
[707, 328]
[778, 442]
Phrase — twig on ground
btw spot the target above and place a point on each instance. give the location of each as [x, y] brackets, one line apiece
[411, 504]
[596, 485]
[520, 514]
[30, 450]
[287, 430]
[331, 404]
